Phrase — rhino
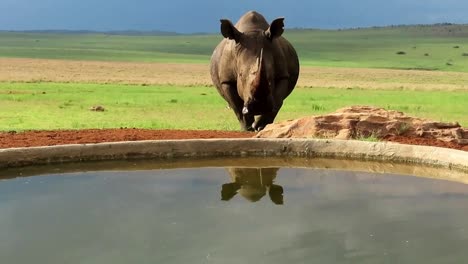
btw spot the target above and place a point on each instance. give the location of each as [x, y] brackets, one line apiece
[252, 184]
[254, 69]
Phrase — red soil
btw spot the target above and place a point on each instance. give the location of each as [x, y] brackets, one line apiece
[426, 142]
[58, 137]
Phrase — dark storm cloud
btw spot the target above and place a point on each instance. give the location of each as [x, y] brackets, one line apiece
[203, 15]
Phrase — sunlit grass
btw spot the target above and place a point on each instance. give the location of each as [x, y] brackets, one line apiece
[27, 106]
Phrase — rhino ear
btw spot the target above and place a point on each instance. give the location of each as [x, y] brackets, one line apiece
[276, 194]
[276, 28]
[229, 190]
[229, 30]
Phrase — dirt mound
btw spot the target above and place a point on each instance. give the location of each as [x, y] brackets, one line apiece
[361, 122]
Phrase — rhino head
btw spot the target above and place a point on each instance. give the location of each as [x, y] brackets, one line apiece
[254, 62]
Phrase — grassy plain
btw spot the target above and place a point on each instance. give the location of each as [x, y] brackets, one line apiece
[49, 81]
[190, 74]
[25, 106]
[363, 48]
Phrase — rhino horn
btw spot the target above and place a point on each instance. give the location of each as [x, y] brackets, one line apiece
[258, 74]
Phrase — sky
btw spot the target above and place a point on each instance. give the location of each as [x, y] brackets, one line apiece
[186, 16]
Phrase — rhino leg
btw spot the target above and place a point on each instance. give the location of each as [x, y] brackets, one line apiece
[263, 120]
[248, 121]
[229, 93]
[281, 91]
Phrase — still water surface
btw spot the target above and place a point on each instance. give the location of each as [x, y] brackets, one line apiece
[234, 215]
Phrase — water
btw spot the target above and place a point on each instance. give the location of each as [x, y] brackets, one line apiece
[232, 215]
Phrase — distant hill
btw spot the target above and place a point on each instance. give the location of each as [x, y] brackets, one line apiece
[83, 32]
[437, 30]
[441, 47]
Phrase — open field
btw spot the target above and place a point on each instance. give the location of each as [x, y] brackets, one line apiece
[49, 81]
[25, 106]
[190, 74]
[363, 48]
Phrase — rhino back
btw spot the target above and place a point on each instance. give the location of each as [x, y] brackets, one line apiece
[252, 21]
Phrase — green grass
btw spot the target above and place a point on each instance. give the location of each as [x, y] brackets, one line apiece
[377, 48]
[107, 47]
[371, 48]
[37, 106]
[66, 106]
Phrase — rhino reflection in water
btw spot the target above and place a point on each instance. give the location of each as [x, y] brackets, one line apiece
[252, 184]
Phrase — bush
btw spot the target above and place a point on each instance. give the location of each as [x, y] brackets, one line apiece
[401, 53]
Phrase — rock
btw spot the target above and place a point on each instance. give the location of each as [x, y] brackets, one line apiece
[365, 121]
[97, 108]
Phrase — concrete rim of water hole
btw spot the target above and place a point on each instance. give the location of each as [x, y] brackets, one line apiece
[454, 161]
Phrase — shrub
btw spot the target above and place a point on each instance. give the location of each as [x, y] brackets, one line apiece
[401, 53]
[372, 136]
